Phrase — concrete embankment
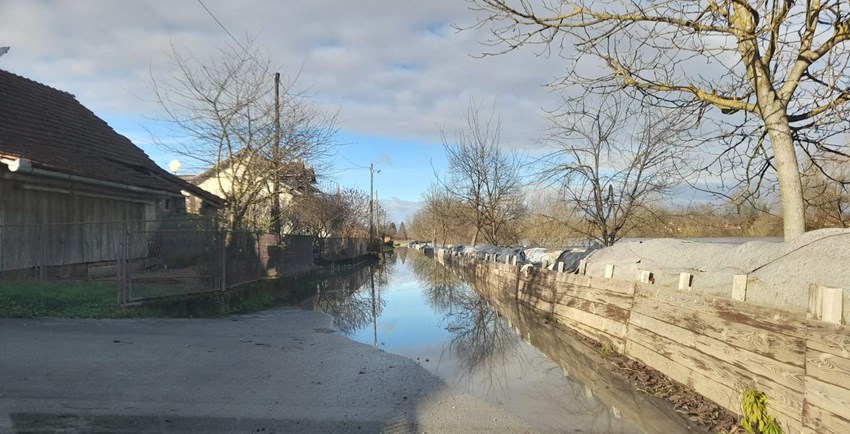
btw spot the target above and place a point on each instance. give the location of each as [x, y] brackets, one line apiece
[715, 345]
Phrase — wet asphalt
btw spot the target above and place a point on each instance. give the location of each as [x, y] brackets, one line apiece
[279, 371]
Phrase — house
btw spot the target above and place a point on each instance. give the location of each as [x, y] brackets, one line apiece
[67, 178]
[246, 180]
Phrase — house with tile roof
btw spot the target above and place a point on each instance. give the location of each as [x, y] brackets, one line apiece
[60, 164]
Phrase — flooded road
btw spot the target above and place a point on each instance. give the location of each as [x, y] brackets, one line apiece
[411, 306]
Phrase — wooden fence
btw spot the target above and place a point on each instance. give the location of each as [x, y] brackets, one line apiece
[716, 346]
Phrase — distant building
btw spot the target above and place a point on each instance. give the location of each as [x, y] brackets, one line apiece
[296, 179]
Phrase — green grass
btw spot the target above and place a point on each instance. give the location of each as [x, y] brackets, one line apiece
[93, 299]
[32, 299]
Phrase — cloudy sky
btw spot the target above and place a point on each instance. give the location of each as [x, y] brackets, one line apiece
[396, 71]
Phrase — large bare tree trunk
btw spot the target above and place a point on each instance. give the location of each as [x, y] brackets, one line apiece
[788, 172]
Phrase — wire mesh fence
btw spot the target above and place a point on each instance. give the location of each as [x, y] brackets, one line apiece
[164, 263]
[145, 260]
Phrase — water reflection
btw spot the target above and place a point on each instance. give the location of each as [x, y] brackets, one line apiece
[410, 305]
[481, 342]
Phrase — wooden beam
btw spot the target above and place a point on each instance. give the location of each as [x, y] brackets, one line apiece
[686, 281]
[609, 271]
[826, 304]
[739, 287]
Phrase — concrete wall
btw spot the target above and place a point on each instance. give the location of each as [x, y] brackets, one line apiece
[715, 345]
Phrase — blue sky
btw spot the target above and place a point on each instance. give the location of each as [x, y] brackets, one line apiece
[397, 73]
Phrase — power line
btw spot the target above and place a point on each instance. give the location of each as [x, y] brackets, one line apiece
[351, 162]
[220, 24]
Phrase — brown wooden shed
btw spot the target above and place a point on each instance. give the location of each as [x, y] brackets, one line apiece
[67, 176]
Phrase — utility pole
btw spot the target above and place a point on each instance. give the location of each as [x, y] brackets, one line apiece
[277, 165]
[371, 204]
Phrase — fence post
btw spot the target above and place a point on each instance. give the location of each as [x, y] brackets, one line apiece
[609, 271]
[119, 269]
[123, 273]
[644, 276]
[686, 282]
[42, 251]
[739, 287]
[826, 304]
[222, 248]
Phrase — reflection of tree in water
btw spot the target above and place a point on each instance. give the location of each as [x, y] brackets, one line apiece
[482, 342]
[486, 346]
[402, 254]
[350, 299]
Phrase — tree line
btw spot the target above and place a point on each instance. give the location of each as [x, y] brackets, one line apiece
[743, 100]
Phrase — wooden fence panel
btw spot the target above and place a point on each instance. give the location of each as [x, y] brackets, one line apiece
[716, 346]
[827, 398]
[710, 318]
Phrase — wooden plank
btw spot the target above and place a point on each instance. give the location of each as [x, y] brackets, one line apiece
[739, 287]
[828, 368]
[821, 421]
[720, 393]
[787, 401]
[826, 304]
[686, 282]
[609, 271]
[787, 374]
[617, 342]
[616, 299]
[594, 321]
[787, 322]
[543, 307]
[709, 323]
[603, 309]
[829, 397]
[621, 286]
[828, 338]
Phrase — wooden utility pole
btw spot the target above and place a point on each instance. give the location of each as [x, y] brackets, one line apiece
[371, 204]
[277, 165]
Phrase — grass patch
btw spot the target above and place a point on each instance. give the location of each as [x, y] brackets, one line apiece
[31, 299]
[97, 299]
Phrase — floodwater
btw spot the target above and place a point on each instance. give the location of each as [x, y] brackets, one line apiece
[409, 305]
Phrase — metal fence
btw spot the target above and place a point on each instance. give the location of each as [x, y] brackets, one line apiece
[184, 262]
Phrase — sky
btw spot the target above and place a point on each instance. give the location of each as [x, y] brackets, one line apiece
[397, 72]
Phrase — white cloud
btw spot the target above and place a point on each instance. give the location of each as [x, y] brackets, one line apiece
[400, 210]
[394, 69]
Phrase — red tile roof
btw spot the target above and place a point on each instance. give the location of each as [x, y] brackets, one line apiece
[53, 130]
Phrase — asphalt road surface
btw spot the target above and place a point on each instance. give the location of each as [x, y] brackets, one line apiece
[278, 371]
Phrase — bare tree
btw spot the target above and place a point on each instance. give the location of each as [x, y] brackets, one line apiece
[609, 162]
[827, 202]
[777, 68]
[222, 116]
[341, 214]
[484, 177]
